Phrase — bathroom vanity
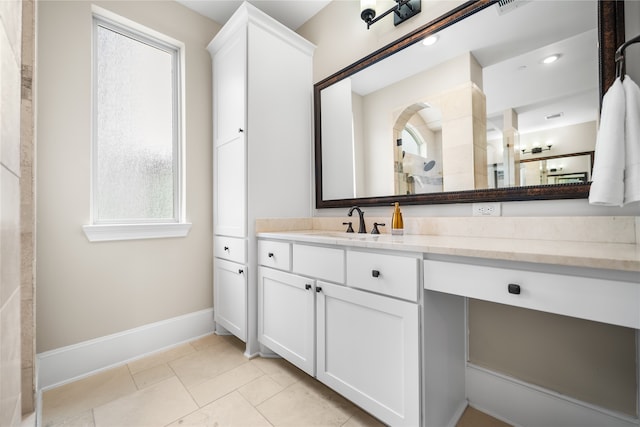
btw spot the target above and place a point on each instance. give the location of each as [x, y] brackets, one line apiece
[382, 319]
[348, 317]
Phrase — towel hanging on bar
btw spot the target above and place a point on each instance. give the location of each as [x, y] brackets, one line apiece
[615, 180]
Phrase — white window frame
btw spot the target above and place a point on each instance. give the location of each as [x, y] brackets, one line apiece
[142, 228]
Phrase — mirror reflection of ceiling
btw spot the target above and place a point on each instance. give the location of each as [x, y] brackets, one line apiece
[513, 74]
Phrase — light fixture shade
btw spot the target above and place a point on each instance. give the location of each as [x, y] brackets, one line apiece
[367, 4]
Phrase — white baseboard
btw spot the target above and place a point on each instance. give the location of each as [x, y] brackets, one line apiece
[522, 404]
[457, 414]
[66, 364]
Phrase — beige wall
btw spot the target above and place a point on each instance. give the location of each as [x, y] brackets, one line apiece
[341, 37]
[10, 295]
[591, 361]
[89, 290]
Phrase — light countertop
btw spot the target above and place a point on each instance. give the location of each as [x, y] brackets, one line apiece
[614, 256]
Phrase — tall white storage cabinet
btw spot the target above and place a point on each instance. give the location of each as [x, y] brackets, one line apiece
[262, 118]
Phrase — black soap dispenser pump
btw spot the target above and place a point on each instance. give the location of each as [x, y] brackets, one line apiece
[397, 225]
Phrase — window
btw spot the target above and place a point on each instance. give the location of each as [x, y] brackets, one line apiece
[137, 174]
[412, 141]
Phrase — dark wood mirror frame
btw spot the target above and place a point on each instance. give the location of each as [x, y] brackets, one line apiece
[610, 36]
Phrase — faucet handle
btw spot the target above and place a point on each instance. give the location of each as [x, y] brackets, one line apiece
[349, 228]
[375, 227]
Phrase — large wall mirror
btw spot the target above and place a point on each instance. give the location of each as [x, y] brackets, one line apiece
[476, 116]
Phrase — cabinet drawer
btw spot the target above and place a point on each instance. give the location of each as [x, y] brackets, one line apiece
[274, 254]
[600, 300]
[319, 262]
[392, 275]
[230, 248]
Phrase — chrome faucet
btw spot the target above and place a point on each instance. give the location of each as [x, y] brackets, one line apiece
[361, 228]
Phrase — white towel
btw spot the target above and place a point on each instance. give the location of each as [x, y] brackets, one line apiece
[632, 141]
[607, 187]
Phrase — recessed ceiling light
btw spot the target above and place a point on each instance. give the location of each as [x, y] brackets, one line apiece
[551, 58]
[430, 40]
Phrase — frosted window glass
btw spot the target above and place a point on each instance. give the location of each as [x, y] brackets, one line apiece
[134, 146]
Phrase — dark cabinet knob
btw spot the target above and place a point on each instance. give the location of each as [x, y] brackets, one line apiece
[307, 286]
[375, 273]
[270, 254]
[240, 130]
[513, 289]
[240, 271]
[226, 248]
[318, 289]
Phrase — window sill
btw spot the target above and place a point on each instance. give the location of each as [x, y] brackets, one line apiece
[112, 232]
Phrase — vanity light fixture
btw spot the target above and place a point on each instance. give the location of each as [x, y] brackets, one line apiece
[403, 10]
[537, 150]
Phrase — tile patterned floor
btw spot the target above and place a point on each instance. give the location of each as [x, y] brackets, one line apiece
[208, 382]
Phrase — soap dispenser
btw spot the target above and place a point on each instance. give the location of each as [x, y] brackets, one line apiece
[397, 225]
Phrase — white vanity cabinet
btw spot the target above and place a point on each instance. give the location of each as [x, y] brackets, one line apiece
[286, 316]
[335, 313]
[369, 351]
[230, 294]
[262, 98]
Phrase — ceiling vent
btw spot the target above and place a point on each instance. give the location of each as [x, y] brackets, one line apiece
[506, 6]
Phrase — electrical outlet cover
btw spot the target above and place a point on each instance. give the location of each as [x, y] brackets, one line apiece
[486, 209]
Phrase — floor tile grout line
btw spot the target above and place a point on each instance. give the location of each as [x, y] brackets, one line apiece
[256, 408]
[133, 379]
[236, 389]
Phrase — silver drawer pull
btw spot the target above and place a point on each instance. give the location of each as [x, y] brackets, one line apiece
[375, 273]
[513, 289]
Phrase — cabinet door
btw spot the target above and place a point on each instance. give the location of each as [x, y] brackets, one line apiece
[286, 316]
[230, 200]
[229, 89]
[229, 174]
[230, 292]
[368, 351]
